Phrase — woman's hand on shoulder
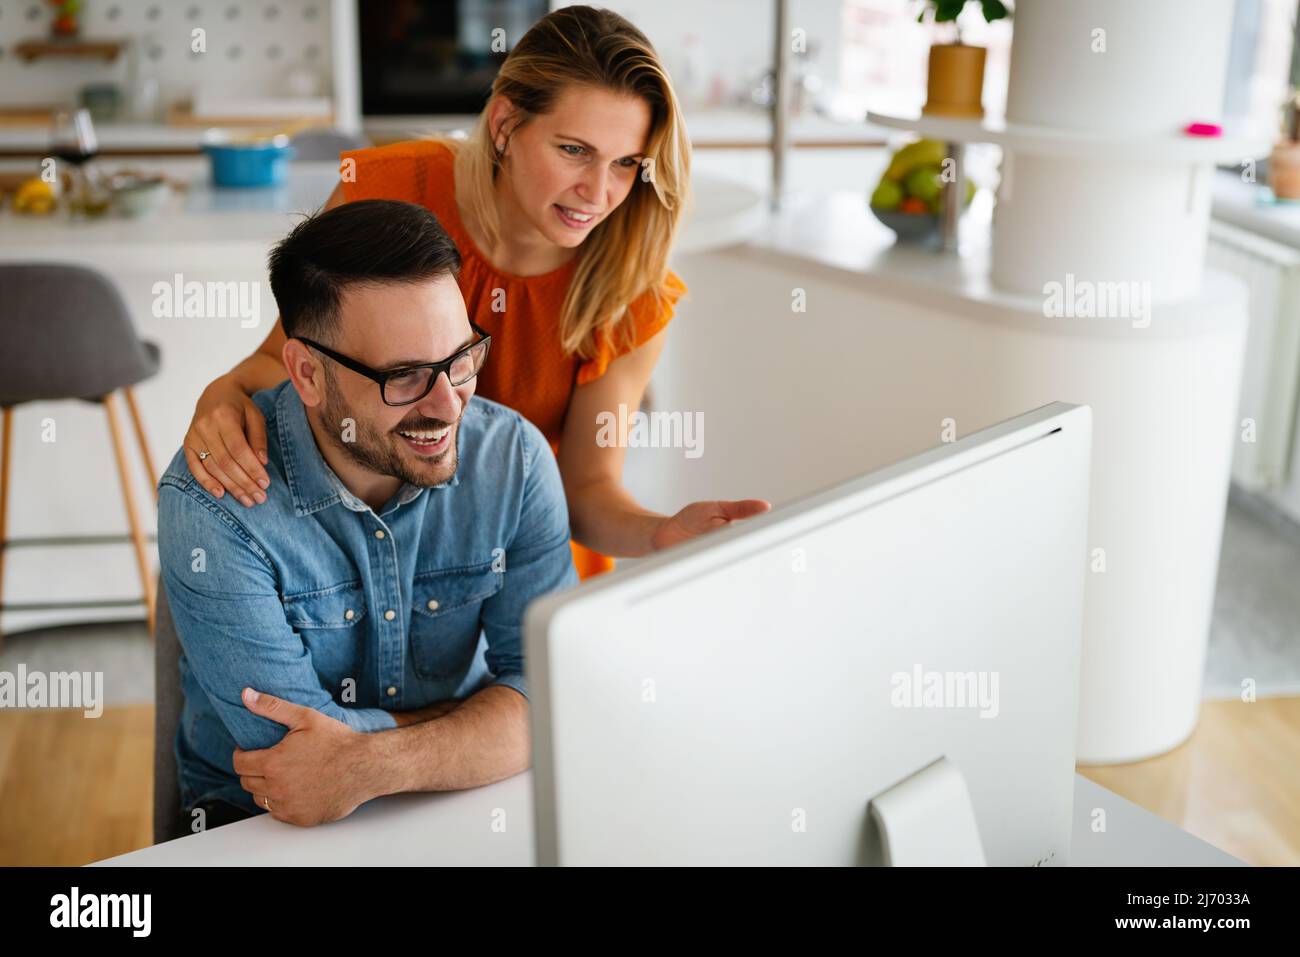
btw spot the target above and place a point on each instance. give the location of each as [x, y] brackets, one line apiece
[229, 426]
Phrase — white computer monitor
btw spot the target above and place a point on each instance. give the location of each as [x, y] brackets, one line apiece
[744, 698]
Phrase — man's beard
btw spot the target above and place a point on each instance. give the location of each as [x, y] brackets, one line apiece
[378, 453]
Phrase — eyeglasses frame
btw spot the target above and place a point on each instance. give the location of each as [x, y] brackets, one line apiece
[382, 377]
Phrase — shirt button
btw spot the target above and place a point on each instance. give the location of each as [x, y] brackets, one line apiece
[433, 604]
[349, 614]
[379, 533]
[390, 615]
[392, 692]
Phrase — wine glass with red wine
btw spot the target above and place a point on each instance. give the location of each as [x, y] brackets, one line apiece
[72, 140]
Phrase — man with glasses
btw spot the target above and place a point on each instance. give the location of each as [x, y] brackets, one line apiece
[360, 633]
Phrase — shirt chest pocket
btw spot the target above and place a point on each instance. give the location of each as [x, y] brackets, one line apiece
[326, 612]
[445, 620]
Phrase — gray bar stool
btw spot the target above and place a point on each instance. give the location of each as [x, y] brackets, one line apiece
[65, 333]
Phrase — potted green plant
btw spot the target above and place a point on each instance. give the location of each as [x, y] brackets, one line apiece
[65, 25]
[956, 74]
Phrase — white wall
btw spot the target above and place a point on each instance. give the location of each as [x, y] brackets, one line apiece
[251, 44]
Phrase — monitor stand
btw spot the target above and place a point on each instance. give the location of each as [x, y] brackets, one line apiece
[925, 820]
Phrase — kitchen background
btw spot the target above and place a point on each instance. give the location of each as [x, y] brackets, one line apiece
[298, 59]
[289, 64]
[386, 70]
[157, 77]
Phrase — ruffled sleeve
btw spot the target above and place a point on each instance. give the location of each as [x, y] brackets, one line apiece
[403, 171]
[649, 313]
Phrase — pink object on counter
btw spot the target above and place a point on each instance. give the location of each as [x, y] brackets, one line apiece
[1203, 129]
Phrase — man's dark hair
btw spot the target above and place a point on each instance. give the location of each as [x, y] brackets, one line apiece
[369, 241]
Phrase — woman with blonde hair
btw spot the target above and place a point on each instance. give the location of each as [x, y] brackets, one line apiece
[564, 203]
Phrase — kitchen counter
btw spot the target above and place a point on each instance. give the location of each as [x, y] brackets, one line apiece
[200, 214]
[724, 212]
[829, 230]
[834, 236]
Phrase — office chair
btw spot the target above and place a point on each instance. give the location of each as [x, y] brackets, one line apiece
[168, 698]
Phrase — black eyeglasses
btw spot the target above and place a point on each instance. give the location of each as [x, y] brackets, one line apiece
[412, 383]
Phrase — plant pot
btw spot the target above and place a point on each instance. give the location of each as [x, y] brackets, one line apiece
[65, 27]
[956, 80]
[1284, 170]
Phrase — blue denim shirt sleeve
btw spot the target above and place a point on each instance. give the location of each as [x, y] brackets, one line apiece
[231, 623]
[538, 560]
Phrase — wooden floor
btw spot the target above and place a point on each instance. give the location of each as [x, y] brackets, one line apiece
[75, 790]
[1234, 783]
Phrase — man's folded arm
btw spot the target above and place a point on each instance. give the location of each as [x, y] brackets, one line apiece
[231, 623]
[486, 738]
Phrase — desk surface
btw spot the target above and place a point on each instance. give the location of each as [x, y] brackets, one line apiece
[493, 826]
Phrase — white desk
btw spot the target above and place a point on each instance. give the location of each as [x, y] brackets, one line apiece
[456, 828]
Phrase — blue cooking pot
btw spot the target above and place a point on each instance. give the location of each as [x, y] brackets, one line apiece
[263, 163]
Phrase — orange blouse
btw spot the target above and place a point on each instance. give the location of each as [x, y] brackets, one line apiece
[527, 370]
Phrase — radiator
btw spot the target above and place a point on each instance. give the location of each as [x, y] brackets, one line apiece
[1270, 380]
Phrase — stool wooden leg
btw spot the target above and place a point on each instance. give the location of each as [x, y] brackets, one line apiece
[6, 453]
[132, 515]
[144, 443]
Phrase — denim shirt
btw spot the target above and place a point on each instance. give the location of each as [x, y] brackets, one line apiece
[316, 598]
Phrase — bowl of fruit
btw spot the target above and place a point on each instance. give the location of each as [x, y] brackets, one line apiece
[909, 197]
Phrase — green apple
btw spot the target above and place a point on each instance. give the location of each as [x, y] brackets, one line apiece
[936, 204]
[924, 183]
[887, 195]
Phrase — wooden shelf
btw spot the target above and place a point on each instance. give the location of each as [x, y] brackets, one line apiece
[106, 50]
[27, 116]
[182, 114]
